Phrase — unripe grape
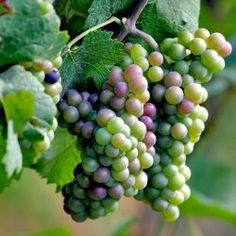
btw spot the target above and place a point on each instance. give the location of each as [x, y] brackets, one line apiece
[117, 103]
[103, 136]
[139, 130]
[202, 33]
[158, 92]
[182, 67]
[172, 79]
[141, 147]
[121, 175]
[197, 46]
[150, 139]
[115, 125]
[185, 171]
[155, 74]
[155, 58]
[146, 160]
[151, 193]
[90, 164]
[70, 114]
[141, 180]
[104, 115]
[226, 50]
[179, 131]
[165, 44]
[85, 108]
[177, 181]
[186, 191]
[216, 41]
[137, 51]
[193, 92]
[171, 213]
[176, 149]
[52, 89]
[159, 204]
[197, 126]
[138, 84]
[164, 128]
[198, 71]
[131, 71]
[188, 148]
[133, 106]
[127, 60]
[115, 76]
[159, 181]
[170, 109]
[176, 52]
[185, 38]
[118, 140]
[170, 170]
[187, 79]
[143, 97]
[42, 146]
[121, 89]
[120, 164]
[142, 62]
[179, 160]
[105, 96]
[132, 154]
[174, 95]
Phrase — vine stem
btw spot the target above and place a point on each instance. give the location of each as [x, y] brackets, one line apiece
[130, 26]
[80, 36]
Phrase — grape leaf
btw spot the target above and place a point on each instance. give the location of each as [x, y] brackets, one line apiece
[18, 107]
[36, 36]
[101, 10]
[97, 51]
[58, 163]
[166, 18]
[16, 79]
[13, 156]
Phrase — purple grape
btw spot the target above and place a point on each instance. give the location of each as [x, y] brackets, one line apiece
[117, 191]
[87, 129]
[62, 105]
[147, 121]
[115, 76]
[172, 78]
[52, 77]
[93, 98]
[149, 109]
[73, 97]
[150, 139]
[85, 108]
[102, 175]
[117, 103]
[70, 114]
[105, 96]
[85, 95]
[158, 92]
[121, 89]
[97, 193]
[77, 126]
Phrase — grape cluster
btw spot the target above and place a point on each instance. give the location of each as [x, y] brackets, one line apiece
[47, 73]
[135, 142]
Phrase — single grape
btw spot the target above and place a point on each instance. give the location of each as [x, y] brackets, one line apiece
[172, 79]
[176, 52]
[70, 114]
[185, 38]
[52, 77]
[155, 74]
[202, 33]
[103, 136]
[174, 95]
[155, 58]
[197, 46]
[216, 41]
[121, 89]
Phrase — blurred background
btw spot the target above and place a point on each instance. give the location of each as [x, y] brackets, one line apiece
[31, 205]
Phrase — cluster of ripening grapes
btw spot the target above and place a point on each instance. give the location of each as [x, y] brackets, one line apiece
[135, 133]
[47, 73]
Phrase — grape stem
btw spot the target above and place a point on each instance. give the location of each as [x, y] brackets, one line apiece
[130, 26]
[80, 36]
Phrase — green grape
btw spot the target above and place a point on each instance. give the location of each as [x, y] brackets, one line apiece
[197, 126]
[202, 33]
[151, 193]
[185, 171]
[159, 204]
[165, 44]
[176, 182]
[141, 180]
[170, 170]
[186, 191]
[193, 92]
[159, 181]
[132, 154]
[137, 51]
[171, 213]
[142, 62]
[146, 160]
[185, 38]
[120, 175]
[139, 130]
[179, 160]
[176, 149]
[155, 74]
[176, 52]
[120, 164]
[197, 46]
[103, 136]
[199, 71]
[118, 140]
[174, 95]
[115, 125]
[182, 67]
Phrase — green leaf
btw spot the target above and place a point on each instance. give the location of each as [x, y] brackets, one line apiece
[12, 159]
[17, 79]
[123, 229]
[58, 163]
[166, 18]
[97, 51]
[101, 10]
[18, 107]
[200, 205]
[51, 232]
[36, 36]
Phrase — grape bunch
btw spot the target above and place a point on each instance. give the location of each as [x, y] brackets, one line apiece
[135, 133]
[47, 73]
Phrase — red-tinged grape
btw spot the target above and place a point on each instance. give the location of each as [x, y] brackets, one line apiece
[138, 84]
[121, 89]
[115, 76]
[155, 58]
[150, 139]
[149, 110]
[147, 121]
[216, 41]
[202, 33]
[186, 106]
[172, 79]
[134, 106]
[132, 71]
[226, 50]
